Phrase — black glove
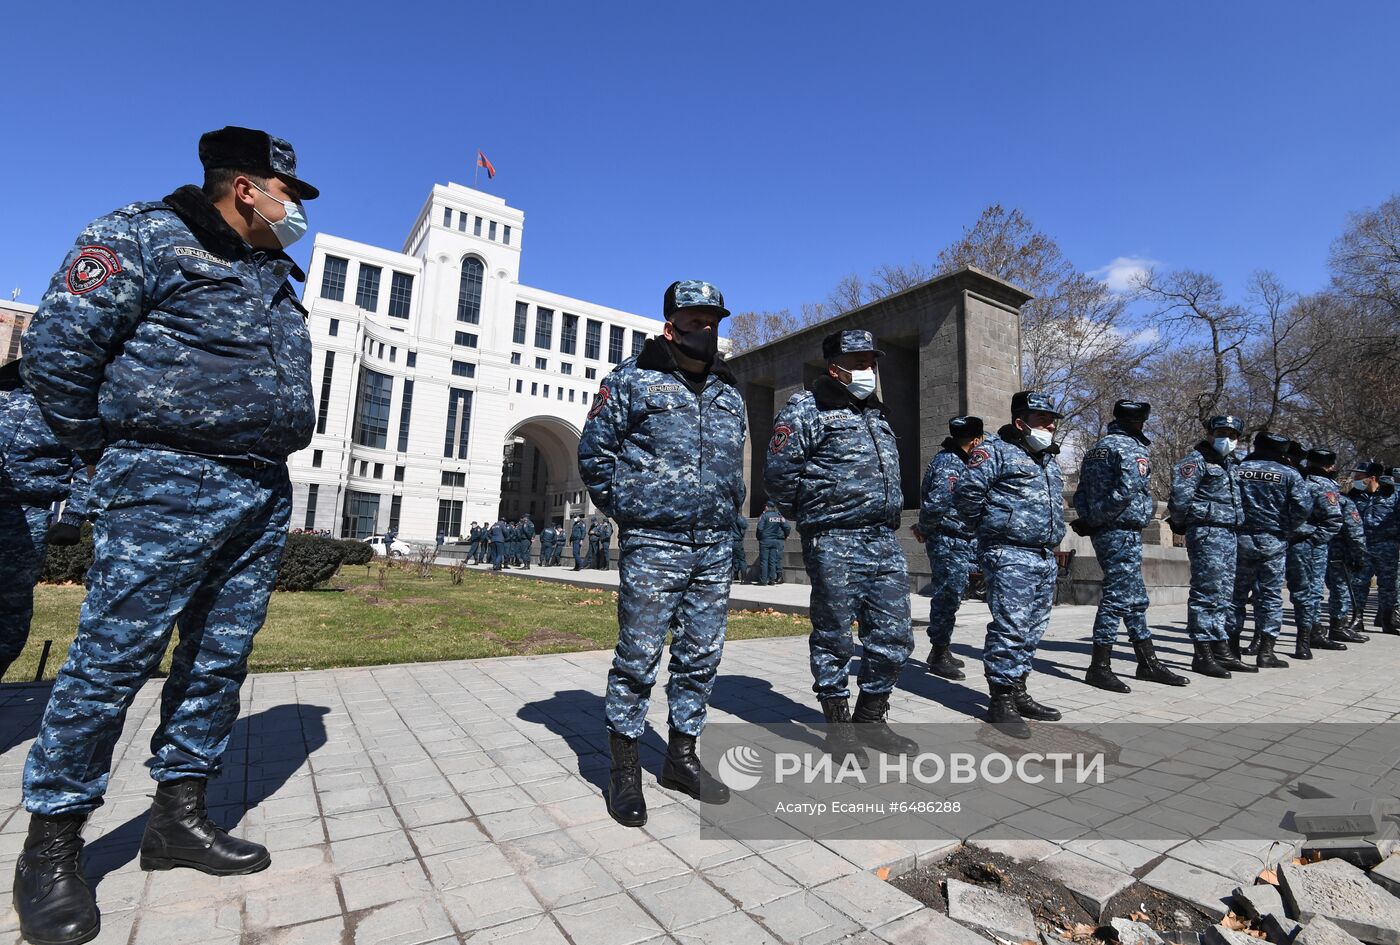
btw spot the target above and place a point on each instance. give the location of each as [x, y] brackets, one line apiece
[1082, 527]
[1177, 526]
[61, 533]
[1357, 563]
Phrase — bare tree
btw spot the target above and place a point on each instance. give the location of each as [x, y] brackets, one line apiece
[1365, 260]
[1276, 359]
[890, 279]
[849, 293]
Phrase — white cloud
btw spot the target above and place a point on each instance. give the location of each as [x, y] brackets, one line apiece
[1121, 274]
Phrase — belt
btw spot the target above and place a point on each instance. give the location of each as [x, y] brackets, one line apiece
[1043, 550]
[246, 461]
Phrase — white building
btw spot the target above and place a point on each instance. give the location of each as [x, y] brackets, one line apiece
[447, 391]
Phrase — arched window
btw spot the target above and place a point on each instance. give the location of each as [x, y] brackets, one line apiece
[469, 292]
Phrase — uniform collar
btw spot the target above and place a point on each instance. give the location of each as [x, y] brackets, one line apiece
[1209, 452]
[1116, 427]
[656, 356]
[1011, 434]
[197, 211]
[831, 394]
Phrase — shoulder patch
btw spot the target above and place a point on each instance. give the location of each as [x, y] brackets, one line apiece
[94, 266]
[952, 480]
[197, 253]
[1333, 499]
[781, 433]
[977, 457]
[1187, 470]
[600, 400]
[1144, 466]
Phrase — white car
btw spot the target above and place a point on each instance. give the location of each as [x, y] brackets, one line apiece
[397, 549]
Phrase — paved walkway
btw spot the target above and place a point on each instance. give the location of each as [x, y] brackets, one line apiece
[456, 802]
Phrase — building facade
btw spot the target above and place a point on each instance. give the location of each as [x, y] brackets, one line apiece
[14, 319]
[447, 391]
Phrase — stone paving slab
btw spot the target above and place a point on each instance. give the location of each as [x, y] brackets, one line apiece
[461, 801]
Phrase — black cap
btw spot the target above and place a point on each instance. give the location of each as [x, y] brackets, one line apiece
[1321, 458]
[1370, 468]
[964, 428]
[1265, 441]
[1027, 400]
[1132, 410]
[1296, 451]
[247, 149]
[1225, 421]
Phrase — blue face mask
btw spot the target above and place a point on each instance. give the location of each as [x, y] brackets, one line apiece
[291, 227]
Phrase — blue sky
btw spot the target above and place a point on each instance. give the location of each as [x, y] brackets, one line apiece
[768, 147]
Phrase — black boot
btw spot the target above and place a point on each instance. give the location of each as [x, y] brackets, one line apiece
[941, 663]
[1302, 650]
[840, 734]
[1266, 658]
[1389, 624]
[1227, 655]
[53, 900]
[871, 728]
[1351, 630]
[180, 833]
[1101, 673]
[1204, 662]
[1320, 641]
[625, 801]
[1253, 648]
[1152, 669]
[1004, 714]
[683, 771]
[1031, 709]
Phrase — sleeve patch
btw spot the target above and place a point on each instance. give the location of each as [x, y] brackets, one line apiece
[952, 480]
[977, 457]
[781, 433]
[94, 266]
[599, 402]
[1144, 466]
[1186, 470]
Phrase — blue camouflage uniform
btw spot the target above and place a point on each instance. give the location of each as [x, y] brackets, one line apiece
[496, 540]
[662, 454]
[1307, 559]
[36, 472]
[179, 355]
[1277, 505]
[739, 563]
[1381, 520]
[1345, 557]
[576, 536]
[1114, 501]
[1205, 504]
[833, 467]
[527, 540]
[1013, 500]
[948, 540]
[772, 532]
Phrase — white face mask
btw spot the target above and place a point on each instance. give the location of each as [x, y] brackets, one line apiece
[1224, 445]
[1038, 439]
[291, 227]
[862, 383]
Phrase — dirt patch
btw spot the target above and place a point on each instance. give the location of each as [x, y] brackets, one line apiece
[1055, 908]
[540, 639]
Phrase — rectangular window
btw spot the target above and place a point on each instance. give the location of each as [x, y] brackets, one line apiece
[466, 339]
[566, 368]
[395, 508]
[381, 350]
[455, 479]
[515, 357]
[590, 373]
[522, 313]
[405, 411]
[393, 355]
[449, 518]
[367, 289]
[546, 390]
[571, 395]
[412, 359]
[361, 515]
[378, 470]
[541, 364]
[463, 369]
[615, 333]
[459, 420]
[534, 389]
[593, 340]
[476, 229]
[316, 457]
[364, 469]
[335, 327]
[462, 221]
[372, 409]
[447, 217]
[333, 278]
[639, 338]
[544, 327]
[560, 395]
[518, 386]
[506, 238]
[568, 334]
[492, 234]
[584, 397]
[398, 473]
[325, 406]
[400, 294]
[312, 494]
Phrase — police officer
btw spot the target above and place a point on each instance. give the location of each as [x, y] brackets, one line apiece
[1345, 558]
[605, 533]
[1204, 505]
[1012, 497]
[948, 540]
[576, 537]
[1277, 505]
[772, 532]
[739, 562]
[833, 467]
[662, 453]
[496, 539]
[527, 539]
[1307, 559]
[473, 540]
[1114, 504]
[1375, 500]
[546, 545]
[36, 472]
[593, 542]
[172, 347]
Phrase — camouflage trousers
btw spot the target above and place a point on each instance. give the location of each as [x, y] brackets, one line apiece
[578, 553]
[177, 538]
[1306, 572]
[1020, 590]
[1212, 551]
[739, 563]
[1119, 551]
[1381, 561]
[23, 531]
[770, 561]
[1259, 570]
[1339, 581]
[950, 560]
[858, 575]
[666, 587]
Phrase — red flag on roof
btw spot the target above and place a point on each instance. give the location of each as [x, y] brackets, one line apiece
[483, 161]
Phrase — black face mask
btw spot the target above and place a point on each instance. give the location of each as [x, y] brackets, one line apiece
[700, 344]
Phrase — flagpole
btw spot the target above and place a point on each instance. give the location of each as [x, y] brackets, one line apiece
[477, 173]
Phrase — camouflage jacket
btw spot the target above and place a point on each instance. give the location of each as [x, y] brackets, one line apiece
[1378, 515]
[833, 461]
[497, 533]
[772, 526]
[736, 534]
[1326, 517]
[661, 459]
[1011, 496]
[579, 532]
[1351, 538]
[35, 469]
[937, 513]
[1115, 481]
[1205, 490]
[1275, 498]
[164, 328]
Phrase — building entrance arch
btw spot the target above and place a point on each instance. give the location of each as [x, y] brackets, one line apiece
[539, 472]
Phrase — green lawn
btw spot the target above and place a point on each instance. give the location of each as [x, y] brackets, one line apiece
[352, 621]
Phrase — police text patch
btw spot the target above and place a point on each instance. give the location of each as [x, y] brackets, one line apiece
[1100, 452]
[1262, 475]
[94, 266]
[198, 253]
